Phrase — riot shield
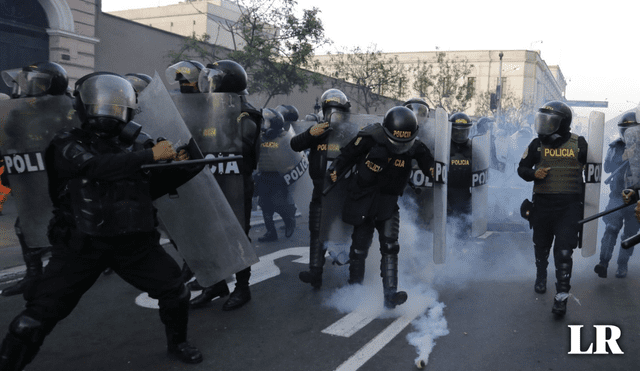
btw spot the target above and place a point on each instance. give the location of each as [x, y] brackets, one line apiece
[27, 125]
[200, 220]
[431, 192]
[345, 127]
[592, 175]
[276, 155]
[480, 162]
[212, 120]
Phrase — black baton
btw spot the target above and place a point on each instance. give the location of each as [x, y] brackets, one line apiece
[189, 162]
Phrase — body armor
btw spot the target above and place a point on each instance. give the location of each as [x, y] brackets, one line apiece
[565, 175]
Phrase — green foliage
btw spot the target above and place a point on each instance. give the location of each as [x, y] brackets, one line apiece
[445, 83]
[373, 73]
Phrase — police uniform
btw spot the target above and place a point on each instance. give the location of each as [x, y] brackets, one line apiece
[459, 179]
[614, 222]
[372, 202]
[558, 203]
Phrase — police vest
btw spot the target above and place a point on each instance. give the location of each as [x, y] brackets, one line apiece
[460, 174]
[565, 175]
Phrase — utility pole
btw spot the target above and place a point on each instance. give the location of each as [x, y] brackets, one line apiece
[499, 87]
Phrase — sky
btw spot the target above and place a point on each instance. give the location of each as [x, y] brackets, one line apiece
[595, 46]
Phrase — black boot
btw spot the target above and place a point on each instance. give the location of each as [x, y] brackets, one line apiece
[241, 294]
[601, 270]
[559, 305]
[542, 261]
[272, 234]
[33, 261]
[185, 352]
[174, 314]
[357, 259]
[316, 263]
[289, 219]
[389, 273]
[220, 289]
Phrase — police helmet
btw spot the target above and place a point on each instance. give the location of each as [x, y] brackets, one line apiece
[273, 123]
[3, 96]
[223, 77]
[42, 78]
[289, 113]
[418, 106]
[10, 78]
[105, 102]
[401, 128]
[553, 117]
[186, 73]
[626, 121]
[139, 81]
[460, 127]
[334, 99]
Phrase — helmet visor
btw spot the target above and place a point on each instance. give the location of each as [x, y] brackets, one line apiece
[209, 80]
[420, 110]
[400, 147]
[34, 83]
[460, 135]
[108, 96]
[547, 124]
[10, 77]
[138, 84]
[182, 71]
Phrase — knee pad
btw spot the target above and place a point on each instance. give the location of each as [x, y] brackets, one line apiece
[27, 329]
[388, 247]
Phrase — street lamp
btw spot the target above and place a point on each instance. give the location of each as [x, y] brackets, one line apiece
[499, 87]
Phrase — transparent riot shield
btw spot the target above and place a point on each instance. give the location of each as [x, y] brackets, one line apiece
[212, 120]
[480, 162]
[200, 220]
[592, 176]
[276, 155]
[345, 127]
[27, 125]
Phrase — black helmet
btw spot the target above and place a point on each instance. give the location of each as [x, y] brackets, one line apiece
[42, 78]
[401, 128]
[334, 99]
[273, 123]
[627, 120]
[460, 127]
[139, 81]
[186, 73]
[289, 113]
[224, 77]
[553, 117]
[419, 106]
[105, 102]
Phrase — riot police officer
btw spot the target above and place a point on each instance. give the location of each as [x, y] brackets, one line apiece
[103, 216]
[383, 155]
[227, 76]
[315, 139]
[36, 80]
[271, 188]
[554, 162]
[613, 164]
[460, 175]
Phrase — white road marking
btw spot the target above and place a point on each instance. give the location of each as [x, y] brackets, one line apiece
[349, 324]
[372, 347]
[261, 271]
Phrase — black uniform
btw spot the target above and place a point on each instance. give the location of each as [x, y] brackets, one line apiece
[459, 179]
[558, 202]
[372, 201]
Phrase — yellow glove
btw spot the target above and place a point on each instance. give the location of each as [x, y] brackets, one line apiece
[628, 195]
[334, 176]
[163, 151]
[542, 172]
[319, 128]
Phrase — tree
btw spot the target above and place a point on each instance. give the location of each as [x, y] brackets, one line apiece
[445, 83]
[373, 74]
[274, 45]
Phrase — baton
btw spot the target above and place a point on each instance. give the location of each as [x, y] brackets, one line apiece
[200, 161]
[630, 242]
[596, 216]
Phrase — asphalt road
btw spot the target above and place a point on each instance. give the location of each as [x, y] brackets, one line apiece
[478, 311]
